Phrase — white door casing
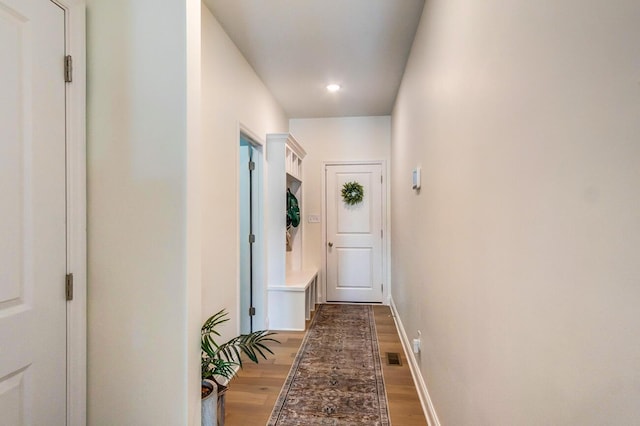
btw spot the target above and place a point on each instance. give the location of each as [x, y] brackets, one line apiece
[33, 252]
[354, 235]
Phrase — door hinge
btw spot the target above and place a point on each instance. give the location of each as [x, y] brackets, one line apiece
[382, 288]
[252, 165]
[381, 234]
[69, 287]
[252, 311]
[252, 238]
[380, 178]
[68, 69]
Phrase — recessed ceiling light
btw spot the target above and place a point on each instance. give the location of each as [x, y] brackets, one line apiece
[333, 87]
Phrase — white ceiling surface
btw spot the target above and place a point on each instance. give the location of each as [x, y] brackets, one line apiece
[297, 47]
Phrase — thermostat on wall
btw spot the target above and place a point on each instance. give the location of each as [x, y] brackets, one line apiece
[416, 178]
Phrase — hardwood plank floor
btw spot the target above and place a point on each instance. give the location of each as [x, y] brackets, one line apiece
[254, 391]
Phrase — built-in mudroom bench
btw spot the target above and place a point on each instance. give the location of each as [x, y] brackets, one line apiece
[291, 290]
[291, 304]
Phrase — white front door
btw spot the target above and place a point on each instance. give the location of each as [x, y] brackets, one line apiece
[32, 214]
[354, 235]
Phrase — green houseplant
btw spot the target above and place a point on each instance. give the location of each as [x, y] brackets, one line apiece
[223, 360]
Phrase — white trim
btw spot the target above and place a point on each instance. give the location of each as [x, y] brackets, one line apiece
[421, 386]
[236, 180]
[386, 293]
[244, 129]
[241, 129]
[292, 142]
[259, 229]
[194, 181]
[75, 40]
[321, 294]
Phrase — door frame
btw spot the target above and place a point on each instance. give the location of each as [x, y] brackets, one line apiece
[75, 96]
[386, 293]
[259, 249]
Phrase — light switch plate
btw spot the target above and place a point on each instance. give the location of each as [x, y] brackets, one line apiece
[415, 178]
[314, 218]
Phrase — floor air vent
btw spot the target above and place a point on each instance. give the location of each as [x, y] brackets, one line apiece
[393, 358]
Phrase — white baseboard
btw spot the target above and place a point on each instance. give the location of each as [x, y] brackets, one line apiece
[421, 386]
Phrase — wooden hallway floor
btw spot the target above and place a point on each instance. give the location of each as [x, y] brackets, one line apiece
[254, 391]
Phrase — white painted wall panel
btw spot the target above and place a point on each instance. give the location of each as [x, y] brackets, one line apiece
[12, 399]
[349, 277]
[142, 355]
[232, 94]
[356, 218]
[518, 259]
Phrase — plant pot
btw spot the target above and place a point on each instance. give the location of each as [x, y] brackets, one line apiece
[209, 403]
[222, 390]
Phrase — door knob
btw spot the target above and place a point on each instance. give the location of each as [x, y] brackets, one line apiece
[330, 244]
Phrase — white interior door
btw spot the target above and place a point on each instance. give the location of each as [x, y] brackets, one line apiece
[354, 235]
[32, 214]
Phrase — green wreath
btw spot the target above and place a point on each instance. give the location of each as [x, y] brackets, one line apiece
[352, 193]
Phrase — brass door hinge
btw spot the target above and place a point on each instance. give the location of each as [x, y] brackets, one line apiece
[69, 287]
[68, 69]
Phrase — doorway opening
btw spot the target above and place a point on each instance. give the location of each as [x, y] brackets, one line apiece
[251, 291]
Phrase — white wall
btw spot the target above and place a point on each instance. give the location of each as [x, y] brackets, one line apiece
[231, 94]
[142, 348]
[159, 202]
[333, 139]
[519, 259]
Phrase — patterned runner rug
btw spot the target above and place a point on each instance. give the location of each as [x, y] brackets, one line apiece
[336, 378]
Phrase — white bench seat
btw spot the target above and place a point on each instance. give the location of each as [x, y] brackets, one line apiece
[291, 303]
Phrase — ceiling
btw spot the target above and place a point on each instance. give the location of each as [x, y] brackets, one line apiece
[298, 47]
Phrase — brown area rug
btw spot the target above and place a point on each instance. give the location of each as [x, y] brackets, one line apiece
[336, 378]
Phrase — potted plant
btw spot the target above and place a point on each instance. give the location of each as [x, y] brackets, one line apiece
[222, 361]
[209, 403]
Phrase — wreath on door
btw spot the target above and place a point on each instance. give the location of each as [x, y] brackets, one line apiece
[352, 193]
